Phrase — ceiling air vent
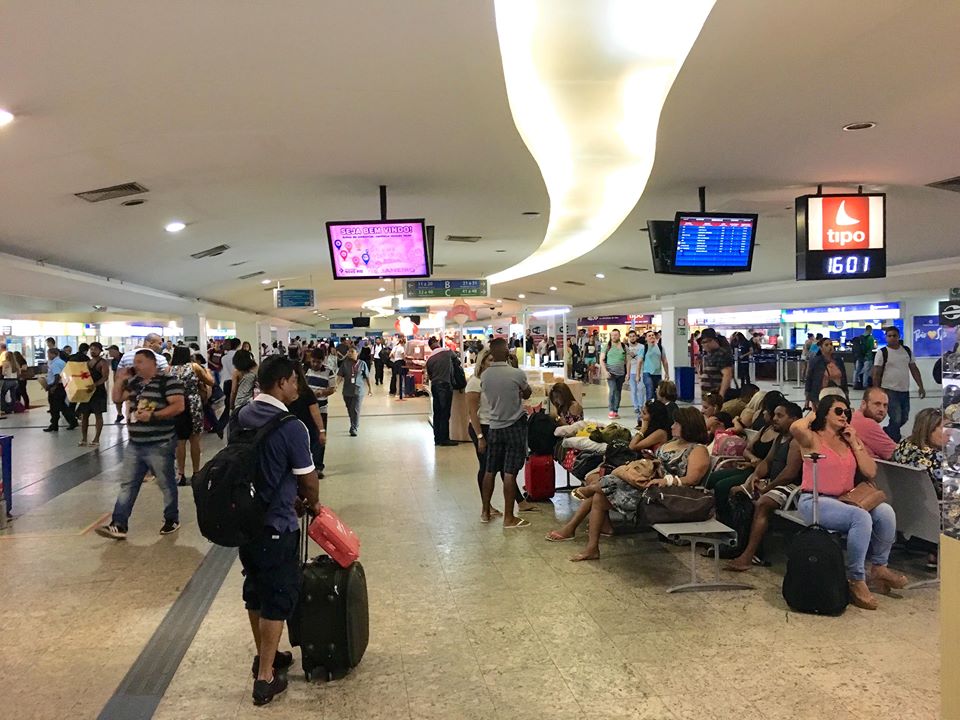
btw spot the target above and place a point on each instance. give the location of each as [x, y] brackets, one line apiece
[634, 269]
[436, 265]
[534, 292]
[210, 252]
[250, 275]
[236, 264]
[574, 282]
[112, 193]
[463, 239]
[275, 287]
[951, 184]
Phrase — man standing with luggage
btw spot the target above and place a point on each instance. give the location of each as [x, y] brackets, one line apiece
[505, 388]
[56, 394]
[288, 484]
[892, 367]
[440, 371]
[156, 400]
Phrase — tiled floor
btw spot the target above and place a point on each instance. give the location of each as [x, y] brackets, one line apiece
[467, 620]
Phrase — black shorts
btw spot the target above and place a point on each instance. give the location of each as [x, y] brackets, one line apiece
[271, 570]
[507, 448]
[184, 425]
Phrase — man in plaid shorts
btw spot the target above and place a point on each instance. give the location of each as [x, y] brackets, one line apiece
[505, 388]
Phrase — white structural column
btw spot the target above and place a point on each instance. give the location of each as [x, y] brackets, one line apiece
[264, 334]
[195, 330]
[676, 336]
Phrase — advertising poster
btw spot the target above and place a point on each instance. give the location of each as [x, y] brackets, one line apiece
[928, 336]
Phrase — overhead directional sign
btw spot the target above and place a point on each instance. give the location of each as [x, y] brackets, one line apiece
[295, 298]
[447, 288]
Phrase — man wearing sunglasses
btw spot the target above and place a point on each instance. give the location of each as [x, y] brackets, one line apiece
[892, 367]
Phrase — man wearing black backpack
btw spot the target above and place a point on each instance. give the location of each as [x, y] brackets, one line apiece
[288, 484]
[892, 367]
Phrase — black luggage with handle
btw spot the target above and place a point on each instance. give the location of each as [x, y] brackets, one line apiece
[816, 577]
[331, 623]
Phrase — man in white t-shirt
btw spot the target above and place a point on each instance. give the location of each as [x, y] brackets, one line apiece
[152, 342]
[892, 367]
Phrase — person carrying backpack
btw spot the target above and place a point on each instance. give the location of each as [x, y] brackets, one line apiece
[863, 347]
[268, 452]
[892, 367]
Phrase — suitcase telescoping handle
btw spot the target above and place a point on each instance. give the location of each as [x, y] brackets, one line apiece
[814, 458]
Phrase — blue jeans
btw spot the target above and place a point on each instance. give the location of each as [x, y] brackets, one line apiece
[637, 394]
[899, 412]
[650, 382]
[870, 535]
[862, 371]
[615, 386]
[158, 458]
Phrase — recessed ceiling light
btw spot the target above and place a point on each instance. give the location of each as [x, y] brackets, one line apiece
[853, 127]
[599, 276]
[382, 290]
[6, 117]
[265, 281]
[553, 288]
[175, 226]
[522, 297]
[499, 300]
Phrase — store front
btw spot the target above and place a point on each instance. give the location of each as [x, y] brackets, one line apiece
[748, 322]
[605, 324]
[841, 323]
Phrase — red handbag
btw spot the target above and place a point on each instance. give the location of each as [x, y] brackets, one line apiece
[337, 540]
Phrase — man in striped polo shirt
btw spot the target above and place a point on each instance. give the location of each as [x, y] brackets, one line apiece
[157, 399]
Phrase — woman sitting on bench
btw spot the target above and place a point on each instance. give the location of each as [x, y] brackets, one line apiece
[828, 432]
[684, 460]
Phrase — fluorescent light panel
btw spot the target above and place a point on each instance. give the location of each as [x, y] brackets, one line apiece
[586, 82]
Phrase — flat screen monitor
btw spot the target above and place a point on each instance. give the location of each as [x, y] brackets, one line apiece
[713, 243]
[841, 237]
[372, 249]
[661, 244]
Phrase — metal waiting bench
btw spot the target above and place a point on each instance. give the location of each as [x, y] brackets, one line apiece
[709, 532]
[912, 497]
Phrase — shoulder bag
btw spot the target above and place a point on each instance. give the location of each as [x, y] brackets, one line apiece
[865, 496]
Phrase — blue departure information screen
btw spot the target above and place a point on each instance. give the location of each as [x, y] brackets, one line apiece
[714, 241]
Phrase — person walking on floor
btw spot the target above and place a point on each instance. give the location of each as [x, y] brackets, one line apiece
[157, 400]
[892, 367]
[97, 404]
[378, 359]
[24, 375]
[11, 380]
[226, 373]
[197, 382]
[613, 361]
[323, 382]
[398, 361]
[56, 393]
[440, 372]
[654, 365]
[354, 376]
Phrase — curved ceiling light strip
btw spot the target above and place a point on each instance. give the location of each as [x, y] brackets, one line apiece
[586, 82]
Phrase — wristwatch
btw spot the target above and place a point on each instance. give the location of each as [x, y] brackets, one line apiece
[479, 437]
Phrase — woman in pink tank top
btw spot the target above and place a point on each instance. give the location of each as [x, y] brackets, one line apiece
[870, 535]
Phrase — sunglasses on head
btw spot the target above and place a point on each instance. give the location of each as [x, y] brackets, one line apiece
[842, 411]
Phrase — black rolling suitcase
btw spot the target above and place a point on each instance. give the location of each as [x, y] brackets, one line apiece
[331, 623]
[816, 577]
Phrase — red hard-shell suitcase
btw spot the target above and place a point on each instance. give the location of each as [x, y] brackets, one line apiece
[337, 540]
[539, 477]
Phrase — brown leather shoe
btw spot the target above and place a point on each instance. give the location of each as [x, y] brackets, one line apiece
[861, 596]
[882, 575]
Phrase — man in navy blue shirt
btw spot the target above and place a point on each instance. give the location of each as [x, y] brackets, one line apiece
[289, 485]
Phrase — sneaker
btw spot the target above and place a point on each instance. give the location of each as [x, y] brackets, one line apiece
[353, 433]
[612, 414]
[51, 429]
[264, 692]
[169, 527]
[182, 481]
[281, 661]
[118, 420]
[112, 531]
[73, 427]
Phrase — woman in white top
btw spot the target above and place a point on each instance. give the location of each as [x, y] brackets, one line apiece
[479, 410]
[398, 365]
[11, 380]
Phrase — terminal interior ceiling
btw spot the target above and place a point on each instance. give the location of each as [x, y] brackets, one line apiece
[255, 128]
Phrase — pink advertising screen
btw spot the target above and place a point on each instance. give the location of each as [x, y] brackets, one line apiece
[364, 249]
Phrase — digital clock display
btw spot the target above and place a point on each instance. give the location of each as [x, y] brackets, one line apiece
[841, 237]
[840, 265]
[849, 265]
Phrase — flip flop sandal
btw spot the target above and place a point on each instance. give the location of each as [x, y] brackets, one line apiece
[607, 534]
[555, 537]
[521, 524]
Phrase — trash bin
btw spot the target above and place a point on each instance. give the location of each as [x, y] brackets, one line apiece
[684, 378]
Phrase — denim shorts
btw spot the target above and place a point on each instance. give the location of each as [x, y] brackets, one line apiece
[271, 570]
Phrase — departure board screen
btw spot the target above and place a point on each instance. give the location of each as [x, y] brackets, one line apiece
[714, 243]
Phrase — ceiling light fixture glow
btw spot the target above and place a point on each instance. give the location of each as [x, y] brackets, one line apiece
[599, 276]
[522, 296]
[6, 117]
[175, 226]
[586, 88]
[552, 312]
[265, 281]
[553, 288]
